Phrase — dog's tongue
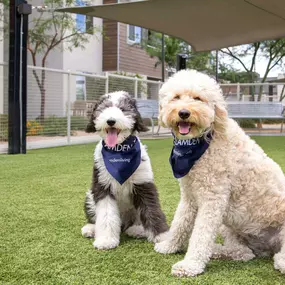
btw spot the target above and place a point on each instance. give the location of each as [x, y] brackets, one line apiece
[112, 137]
[183, 128]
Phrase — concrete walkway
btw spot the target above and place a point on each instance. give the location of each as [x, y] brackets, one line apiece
[37, 142]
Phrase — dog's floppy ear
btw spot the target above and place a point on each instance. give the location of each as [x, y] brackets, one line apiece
[160, 122]
[139, 125]
[221, 111]
[221, 115]
[91, 125]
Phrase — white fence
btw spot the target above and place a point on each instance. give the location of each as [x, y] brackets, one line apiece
[59, 102]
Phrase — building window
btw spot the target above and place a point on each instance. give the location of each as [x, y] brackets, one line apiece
[134, 34]
[80, 88]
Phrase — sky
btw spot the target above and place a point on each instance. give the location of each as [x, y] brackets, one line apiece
[260, 67]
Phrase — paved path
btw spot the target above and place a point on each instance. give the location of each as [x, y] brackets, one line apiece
[83, 138]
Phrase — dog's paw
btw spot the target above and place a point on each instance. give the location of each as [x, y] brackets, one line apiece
[279, 262]
[161, 237]
[236, 253]
[187, 268]
[136, 231]
[88, 231]
[165, 247]
[104, 243]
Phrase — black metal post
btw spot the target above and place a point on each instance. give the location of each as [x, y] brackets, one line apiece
[217, 65]
[19, 11]
[163, 59]
[181, 61]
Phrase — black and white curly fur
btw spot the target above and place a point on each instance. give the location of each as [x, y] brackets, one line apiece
[133, 207]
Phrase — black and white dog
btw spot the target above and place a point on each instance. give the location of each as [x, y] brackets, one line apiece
[123, 196]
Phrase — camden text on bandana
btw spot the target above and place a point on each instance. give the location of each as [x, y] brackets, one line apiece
[123, 159]
[185, 153]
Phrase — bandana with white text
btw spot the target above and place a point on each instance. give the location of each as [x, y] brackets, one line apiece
[123, 159]
[185, 153]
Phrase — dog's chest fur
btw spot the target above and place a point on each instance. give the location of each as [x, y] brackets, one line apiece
[123, 193]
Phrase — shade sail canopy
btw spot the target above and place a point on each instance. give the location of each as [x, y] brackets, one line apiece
[204, 24]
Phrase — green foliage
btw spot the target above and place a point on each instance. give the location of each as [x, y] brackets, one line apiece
[3, 127]
[232, 75]
[41, 210]
[173, 46]
[57, 126]
[120, 83]
[273, 52]
[247, 123]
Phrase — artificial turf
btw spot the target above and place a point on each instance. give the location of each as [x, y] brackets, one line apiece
[41, 214]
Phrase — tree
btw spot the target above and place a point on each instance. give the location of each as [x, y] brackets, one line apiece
[228, 73]
[174, 46]
[57, 30]
[49, 30]
[273, 51]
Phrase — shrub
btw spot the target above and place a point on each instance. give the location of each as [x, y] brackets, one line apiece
[3, 127]
[247, 123]
[34, 128]
[55, 126]
[78, 123]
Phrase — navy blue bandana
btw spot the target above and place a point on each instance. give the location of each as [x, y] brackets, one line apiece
[123, 159]
[185, 153]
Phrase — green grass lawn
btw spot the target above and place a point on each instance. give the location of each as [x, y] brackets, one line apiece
[41, 214]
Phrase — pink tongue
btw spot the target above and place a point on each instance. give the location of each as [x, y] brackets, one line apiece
[112, 137]
[183, 128]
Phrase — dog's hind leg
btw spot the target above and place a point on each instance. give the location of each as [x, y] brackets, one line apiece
[146, 202]
[88, 230]
[132, 225]
[279, 258]
[232, 247]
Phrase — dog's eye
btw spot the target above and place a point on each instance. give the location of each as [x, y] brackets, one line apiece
[177, 97]
[198, 99]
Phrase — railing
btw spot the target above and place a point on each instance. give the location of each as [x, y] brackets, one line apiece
[58, 103]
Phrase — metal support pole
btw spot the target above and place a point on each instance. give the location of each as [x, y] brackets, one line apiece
[217, 65]
[69, 88]
[107, 83]
[19, 11]
[162, 59]
[136, 88]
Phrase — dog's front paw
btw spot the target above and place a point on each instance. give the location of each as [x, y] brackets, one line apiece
[187, 268]
[105, 243]
[279, 262]
[88, 231]
[165, 247]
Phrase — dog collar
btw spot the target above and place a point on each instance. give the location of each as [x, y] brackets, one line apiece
[185, 153]
[123, 159]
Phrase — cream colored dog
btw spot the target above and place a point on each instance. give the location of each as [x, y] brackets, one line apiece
[234, 187]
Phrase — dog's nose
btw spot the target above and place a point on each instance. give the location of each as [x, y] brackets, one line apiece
[111, 122]
[184, 114]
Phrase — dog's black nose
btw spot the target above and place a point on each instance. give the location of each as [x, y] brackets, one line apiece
[111, 122]
[184, 114]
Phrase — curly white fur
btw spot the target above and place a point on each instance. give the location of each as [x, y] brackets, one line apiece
[234, 183]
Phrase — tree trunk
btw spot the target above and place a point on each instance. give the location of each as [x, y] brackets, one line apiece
[282, 95]
[43, 97]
